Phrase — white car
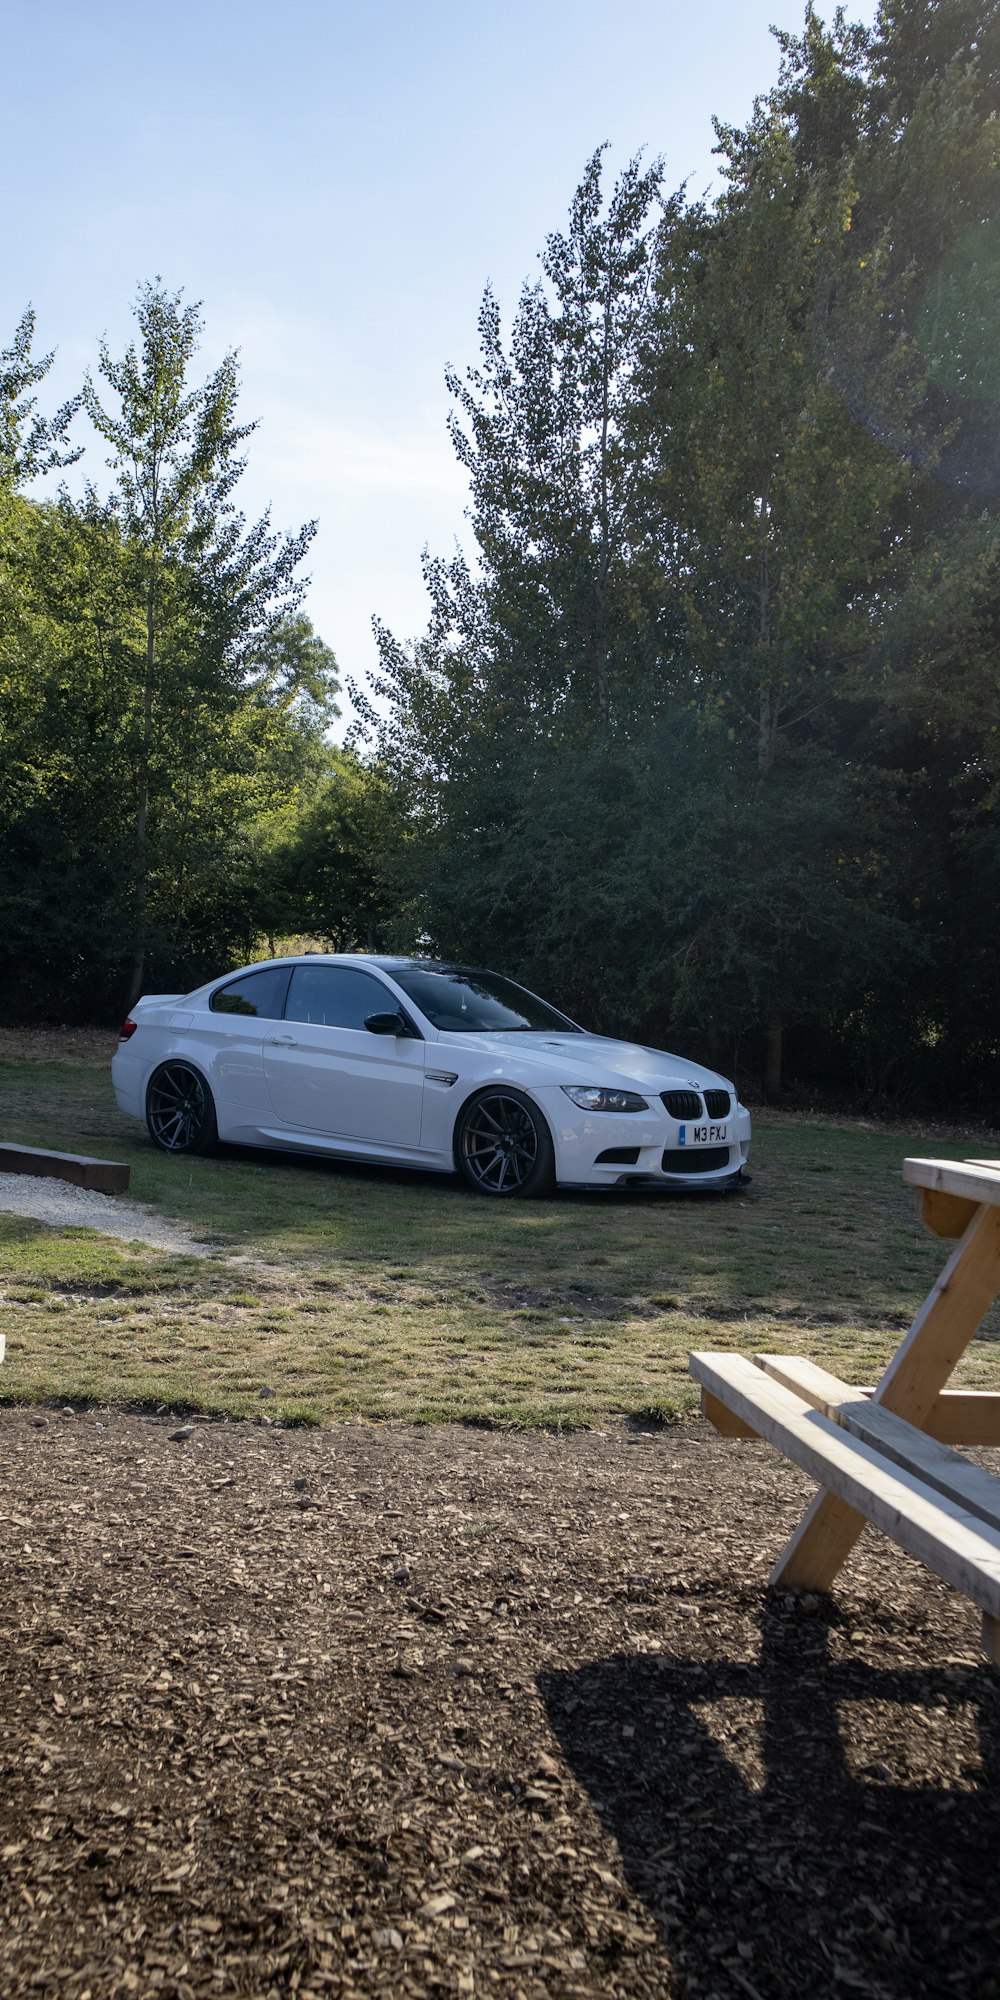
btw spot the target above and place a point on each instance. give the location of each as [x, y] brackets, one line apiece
[426, 1065]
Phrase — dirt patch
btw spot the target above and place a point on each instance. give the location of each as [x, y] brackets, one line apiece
[61, 1045]
[402, 1712]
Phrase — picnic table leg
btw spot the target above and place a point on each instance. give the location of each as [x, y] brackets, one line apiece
[909, 1388]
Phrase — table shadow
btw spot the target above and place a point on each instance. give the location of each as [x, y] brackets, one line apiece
[799, 1825]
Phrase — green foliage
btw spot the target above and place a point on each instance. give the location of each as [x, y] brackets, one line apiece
[29, 442]
[162, 701]
[200, 594]
[703, 736]
[334, 868]
[557, 630]
[706, 742]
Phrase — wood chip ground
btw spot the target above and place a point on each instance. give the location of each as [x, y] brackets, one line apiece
[380, 1711]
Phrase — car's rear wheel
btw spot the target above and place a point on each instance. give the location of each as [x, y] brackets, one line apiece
[180, 1114]
[503, 1145]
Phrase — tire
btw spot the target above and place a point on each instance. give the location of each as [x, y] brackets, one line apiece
[180, 1114]
[503, 1146]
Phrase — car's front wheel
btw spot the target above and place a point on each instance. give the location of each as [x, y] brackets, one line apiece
[503, 1145]
[180, 1114]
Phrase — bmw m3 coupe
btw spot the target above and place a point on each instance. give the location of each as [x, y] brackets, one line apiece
[422, 1064]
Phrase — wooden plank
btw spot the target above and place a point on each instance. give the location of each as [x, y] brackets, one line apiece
[958, 1416]
[910, 1387]
[957, 1546]
[814, 1556]
[954, 1308]
[946, 1214]
[106, 1176]
[940, 1467]
[973, 1181]
[936, 1464]
[725, 1423]
[965, 1416]
[807, 1379]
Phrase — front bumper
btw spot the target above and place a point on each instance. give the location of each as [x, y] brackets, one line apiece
[609, 1149]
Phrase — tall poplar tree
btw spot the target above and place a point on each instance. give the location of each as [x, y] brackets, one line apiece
[200, 590]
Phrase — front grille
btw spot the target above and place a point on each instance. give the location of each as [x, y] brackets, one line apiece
[718, 1103]
[682, 1103]
[618, 1156]
[694, 1159]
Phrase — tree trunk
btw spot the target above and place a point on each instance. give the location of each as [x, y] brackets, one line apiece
[141, 896]
[772, 1057]
[767, 730]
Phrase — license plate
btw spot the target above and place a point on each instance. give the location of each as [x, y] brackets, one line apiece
[703, 1135]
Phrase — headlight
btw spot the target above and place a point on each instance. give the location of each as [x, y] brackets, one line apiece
[590, 1098]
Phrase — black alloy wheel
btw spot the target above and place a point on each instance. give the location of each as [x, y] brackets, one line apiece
[503, 1145]
[180, 1113]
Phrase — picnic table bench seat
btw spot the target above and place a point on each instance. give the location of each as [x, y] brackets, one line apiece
[884, 1454]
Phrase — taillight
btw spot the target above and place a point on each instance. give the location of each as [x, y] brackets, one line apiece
[127, 1029]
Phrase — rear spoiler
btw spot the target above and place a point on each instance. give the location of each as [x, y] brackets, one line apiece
[131, 1022]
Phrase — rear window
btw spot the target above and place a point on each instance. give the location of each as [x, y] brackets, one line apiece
[259, 993]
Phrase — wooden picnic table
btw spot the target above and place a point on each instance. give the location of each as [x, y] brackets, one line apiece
[886, 1454]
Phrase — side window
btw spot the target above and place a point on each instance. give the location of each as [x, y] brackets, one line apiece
[260, 993]
[335, 996]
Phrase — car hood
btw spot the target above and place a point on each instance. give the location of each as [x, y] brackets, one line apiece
[591, 1059]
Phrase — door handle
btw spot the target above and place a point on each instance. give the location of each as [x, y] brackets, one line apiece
[282, 1041]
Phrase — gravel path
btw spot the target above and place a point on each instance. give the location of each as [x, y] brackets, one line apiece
[65, 1206]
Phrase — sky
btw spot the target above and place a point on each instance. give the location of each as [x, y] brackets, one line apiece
[337, 184]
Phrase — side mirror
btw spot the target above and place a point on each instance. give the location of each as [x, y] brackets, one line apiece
[386, 1024]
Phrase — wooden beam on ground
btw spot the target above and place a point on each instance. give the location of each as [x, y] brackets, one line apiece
[106, 1176]
[941, 1533]
[910, 1387]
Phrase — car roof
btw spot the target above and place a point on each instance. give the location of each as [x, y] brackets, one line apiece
[386, 962]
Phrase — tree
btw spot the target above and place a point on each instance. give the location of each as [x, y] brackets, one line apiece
[556, 635]
[202, 592]
[709, 726]
[821, 476]
[30, 443]
[554, 629]
[336, 868]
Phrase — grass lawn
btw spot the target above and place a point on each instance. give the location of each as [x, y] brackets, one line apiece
[344, 1290]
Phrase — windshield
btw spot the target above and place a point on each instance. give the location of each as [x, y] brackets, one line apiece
[473, 1003]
